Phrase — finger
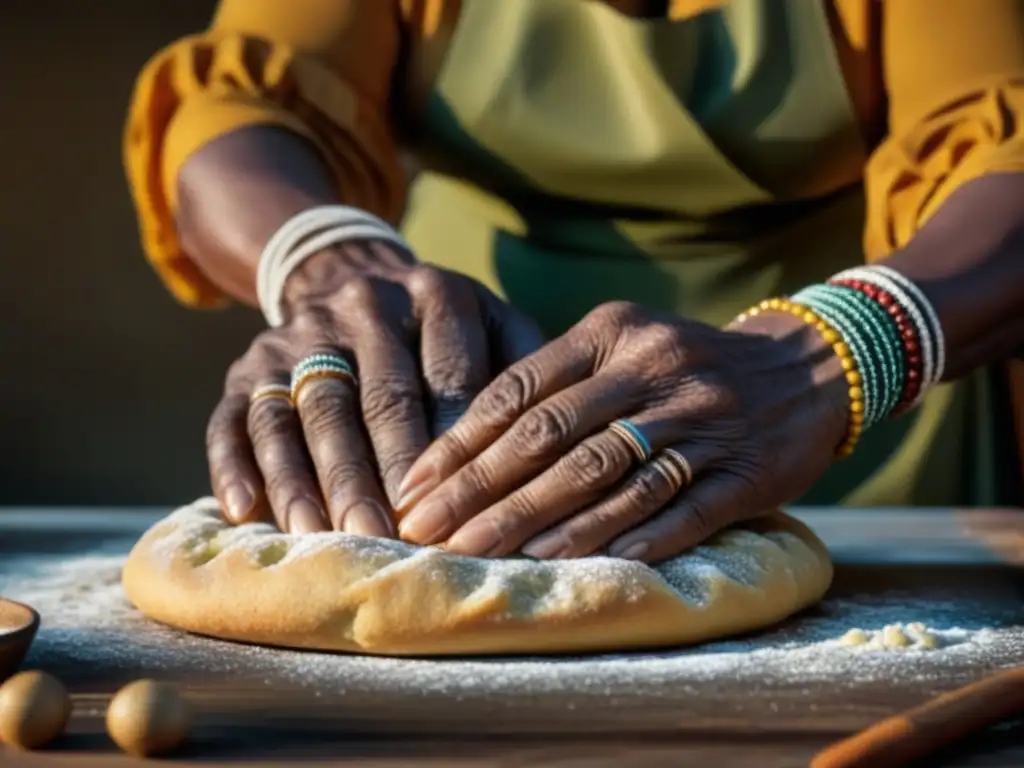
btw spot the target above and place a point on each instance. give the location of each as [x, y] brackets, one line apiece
[234, 474]
[716, 501]
[579, 478]
[328, 408]
[390, 393]
[513, 334]
[280, 450]
[453, 344]
[639, 498]
[555, 367]
[533, 444]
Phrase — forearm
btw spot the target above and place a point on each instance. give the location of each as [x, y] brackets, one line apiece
[238, 190]
[969, 261]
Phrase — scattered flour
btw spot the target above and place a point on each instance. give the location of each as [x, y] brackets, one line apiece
[87, 623]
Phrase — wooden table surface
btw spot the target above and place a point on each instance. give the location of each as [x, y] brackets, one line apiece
[954, 558]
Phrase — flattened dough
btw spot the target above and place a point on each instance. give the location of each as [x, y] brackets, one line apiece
[339, 592]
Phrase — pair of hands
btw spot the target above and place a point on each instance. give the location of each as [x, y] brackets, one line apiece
[480, 436]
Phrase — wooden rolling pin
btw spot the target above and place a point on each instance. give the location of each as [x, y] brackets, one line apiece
[921, 730]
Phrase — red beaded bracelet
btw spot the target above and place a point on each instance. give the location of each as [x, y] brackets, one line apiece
[908, 332]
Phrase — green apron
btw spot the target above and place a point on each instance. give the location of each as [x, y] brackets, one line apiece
[575, 156]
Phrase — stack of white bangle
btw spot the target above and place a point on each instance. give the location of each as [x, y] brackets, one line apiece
[306, 234]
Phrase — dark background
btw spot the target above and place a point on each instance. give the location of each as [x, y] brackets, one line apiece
[106, 382]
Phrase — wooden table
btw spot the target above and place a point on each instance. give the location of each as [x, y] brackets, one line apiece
[955, 558]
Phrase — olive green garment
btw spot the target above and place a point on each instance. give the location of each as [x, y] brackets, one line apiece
[576, 156]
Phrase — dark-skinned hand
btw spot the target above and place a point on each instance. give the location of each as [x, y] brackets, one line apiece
[757, 411]
[424, 342]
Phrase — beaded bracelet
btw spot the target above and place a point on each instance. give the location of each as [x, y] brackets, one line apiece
[868, 365]
[886, 334]
[855, 390]
[923, 340]
[918, 359]
[859, 314]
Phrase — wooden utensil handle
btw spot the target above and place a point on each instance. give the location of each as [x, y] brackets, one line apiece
[919, 731]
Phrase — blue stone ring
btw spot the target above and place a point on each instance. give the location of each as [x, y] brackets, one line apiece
[631, 433]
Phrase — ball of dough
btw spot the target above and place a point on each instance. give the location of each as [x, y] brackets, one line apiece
[148, 718]
[854, 637]
[34, 709]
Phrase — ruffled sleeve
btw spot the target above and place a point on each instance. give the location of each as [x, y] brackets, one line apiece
[955, 79]
[320, 69]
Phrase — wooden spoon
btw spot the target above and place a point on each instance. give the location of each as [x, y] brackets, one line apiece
[18, 625]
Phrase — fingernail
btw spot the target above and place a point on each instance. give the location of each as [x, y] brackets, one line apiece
[475, 540]
[632, 552]
[546, 547]
[305, 517]
[415, 485]
[368, 519]
[238, 502]
[425, 526]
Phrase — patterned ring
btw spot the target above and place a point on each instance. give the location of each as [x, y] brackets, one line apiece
[319, 361]
[629, 432]
[321, 366]
[273, 389]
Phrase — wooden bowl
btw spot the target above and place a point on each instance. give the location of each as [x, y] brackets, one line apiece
[18, 625]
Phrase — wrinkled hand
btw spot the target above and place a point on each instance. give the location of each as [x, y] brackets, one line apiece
[758, 415]
[424, 342]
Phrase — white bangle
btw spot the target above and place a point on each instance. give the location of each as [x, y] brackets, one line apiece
[926, 306]
[306, 234]
[927, 341]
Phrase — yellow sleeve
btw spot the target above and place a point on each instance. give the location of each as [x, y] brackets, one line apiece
[954, 73]
[321, 68]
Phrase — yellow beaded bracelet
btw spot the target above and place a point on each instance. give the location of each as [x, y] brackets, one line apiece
[832, 337]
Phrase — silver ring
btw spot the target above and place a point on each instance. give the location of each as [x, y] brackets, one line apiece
[273, 389]
[670, 459]
[629, 432]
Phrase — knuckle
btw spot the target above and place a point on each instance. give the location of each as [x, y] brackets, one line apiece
[265, 423]
[358, 292]
[428, 282]
[509, 393]
[326, 406]
[394, 465]
[312, 321]
[390, 400]
[664, 343]
[543, 431]
[471, 485]
[649, 487]
[662, 337]
[339, 475]
[725, 401]
[284, 482]
[240, 372]
[449, 376]
[618, 312]
[592, 464]
[606, 519]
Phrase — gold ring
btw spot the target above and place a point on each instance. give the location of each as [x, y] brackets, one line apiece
[632, 441]
[679, 462]
[320, 373]
[271, 390]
